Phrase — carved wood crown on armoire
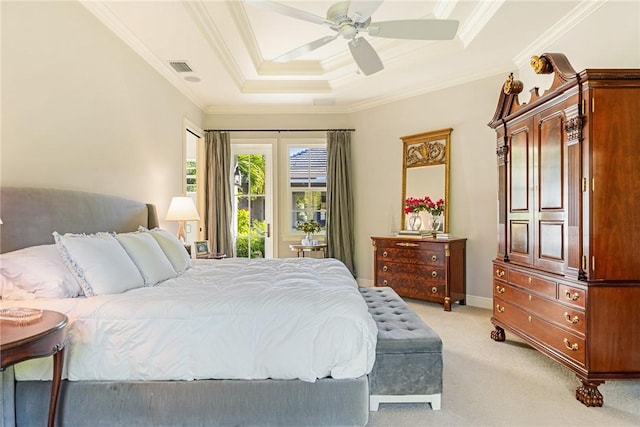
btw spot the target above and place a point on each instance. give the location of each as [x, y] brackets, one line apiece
[566, 278]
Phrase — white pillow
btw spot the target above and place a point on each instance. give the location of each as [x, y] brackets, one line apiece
[99, 262]
[36, 272]
[173, 248]
[147, 256]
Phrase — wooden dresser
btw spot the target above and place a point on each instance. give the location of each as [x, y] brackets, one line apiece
[426, 269]
[566, 278]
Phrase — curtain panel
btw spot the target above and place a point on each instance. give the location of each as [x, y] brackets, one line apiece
[340, 219]
[218, 192]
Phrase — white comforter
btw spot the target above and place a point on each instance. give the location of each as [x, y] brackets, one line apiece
[235, 319]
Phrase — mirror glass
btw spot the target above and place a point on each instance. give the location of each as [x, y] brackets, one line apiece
[425, 172]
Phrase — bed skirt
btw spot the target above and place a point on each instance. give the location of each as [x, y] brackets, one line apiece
[327, 402]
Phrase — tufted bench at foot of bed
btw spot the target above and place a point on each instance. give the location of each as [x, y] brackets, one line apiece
[408, 366]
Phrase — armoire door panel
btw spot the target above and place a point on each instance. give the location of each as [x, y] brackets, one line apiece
[519, 171]
[550, 162]
[519, 239]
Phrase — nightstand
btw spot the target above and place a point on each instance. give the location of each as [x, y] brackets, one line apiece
[38, 338]
[301, 249]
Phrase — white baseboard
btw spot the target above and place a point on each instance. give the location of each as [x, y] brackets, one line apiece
[474, 301]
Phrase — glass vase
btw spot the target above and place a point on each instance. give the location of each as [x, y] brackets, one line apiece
[308, 240]
[415, 222]
[437, 223]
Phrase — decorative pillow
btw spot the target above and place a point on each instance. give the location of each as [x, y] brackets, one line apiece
[172, 247]
[36, 272]
[99, 263]
[147, 255]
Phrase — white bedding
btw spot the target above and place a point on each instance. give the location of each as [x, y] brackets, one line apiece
[235, 319]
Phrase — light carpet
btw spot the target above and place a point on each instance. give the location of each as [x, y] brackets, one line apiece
[489, 383]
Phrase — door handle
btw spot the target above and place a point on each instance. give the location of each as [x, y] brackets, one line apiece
[268, 230]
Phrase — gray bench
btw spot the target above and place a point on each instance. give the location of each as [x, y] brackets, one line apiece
[408, 366]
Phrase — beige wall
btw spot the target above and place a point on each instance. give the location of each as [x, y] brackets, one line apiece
[80, 110]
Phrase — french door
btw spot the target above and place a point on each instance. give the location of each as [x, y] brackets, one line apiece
[253, 199]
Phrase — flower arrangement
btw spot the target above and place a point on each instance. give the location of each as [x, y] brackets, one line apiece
[412, 205]
[310, 226]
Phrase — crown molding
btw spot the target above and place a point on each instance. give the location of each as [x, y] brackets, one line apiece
[482, 13]
[260, 109]
[286, 86]
[198, 12]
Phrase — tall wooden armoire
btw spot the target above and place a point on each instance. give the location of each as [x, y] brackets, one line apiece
[566, 278]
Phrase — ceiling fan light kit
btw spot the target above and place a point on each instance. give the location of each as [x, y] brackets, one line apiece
[350, 19]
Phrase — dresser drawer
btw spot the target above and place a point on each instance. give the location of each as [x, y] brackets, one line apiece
[550, 310]
[434, 293]
[560, 340]
[500, 272]
[571, 295]
[533, 283]
[411, 256]
[393, 272]
[414, 244]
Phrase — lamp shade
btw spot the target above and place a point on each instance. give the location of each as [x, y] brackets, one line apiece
[182, 209]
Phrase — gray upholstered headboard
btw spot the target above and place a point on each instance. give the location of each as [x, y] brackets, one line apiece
[31, 215]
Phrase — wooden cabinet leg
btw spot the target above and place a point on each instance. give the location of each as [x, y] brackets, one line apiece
[589, 394]
[447, 304]
[498, 334]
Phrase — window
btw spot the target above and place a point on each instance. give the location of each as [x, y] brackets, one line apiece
[307, 183]
[249, 186]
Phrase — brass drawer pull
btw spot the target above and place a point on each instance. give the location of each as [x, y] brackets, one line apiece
[499, 308]
[407, 244]
[385, 268]
[434, 274]
[499, 272]
[570, 296]
[434, 290]
[384, 282]
[569, 319]
[572, 347]
[384, 254]
[434, 258]
[499, 289]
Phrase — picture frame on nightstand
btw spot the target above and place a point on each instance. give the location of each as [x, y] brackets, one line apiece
[201, 248]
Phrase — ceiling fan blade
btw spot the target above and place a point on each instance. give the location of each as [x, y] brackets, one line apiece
[292, 12]
[360, 11]
[415, 29]
[306, 48]
[367, 59]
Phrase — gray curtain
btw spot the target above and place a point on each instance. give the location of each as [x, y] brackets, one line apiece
[340, 225]
[218, 195]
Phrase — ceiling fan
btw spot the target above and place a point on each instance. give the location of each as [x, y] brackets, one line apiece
[351, 18]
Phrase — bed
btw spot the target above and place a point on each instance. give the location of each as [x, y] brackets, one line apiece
[223, 342]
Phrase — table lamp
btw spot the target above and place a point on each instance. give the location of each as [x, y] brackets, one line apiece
[182, 209]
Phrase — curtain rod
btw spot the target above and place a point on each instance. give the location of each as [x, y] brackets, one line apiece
[278, 130]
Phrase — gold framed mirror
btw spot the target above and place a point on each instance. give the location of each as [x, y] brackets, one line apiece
[425, 171]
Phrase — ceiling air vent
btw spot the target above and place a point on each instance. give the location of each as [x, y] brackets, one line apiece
[180, 66]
